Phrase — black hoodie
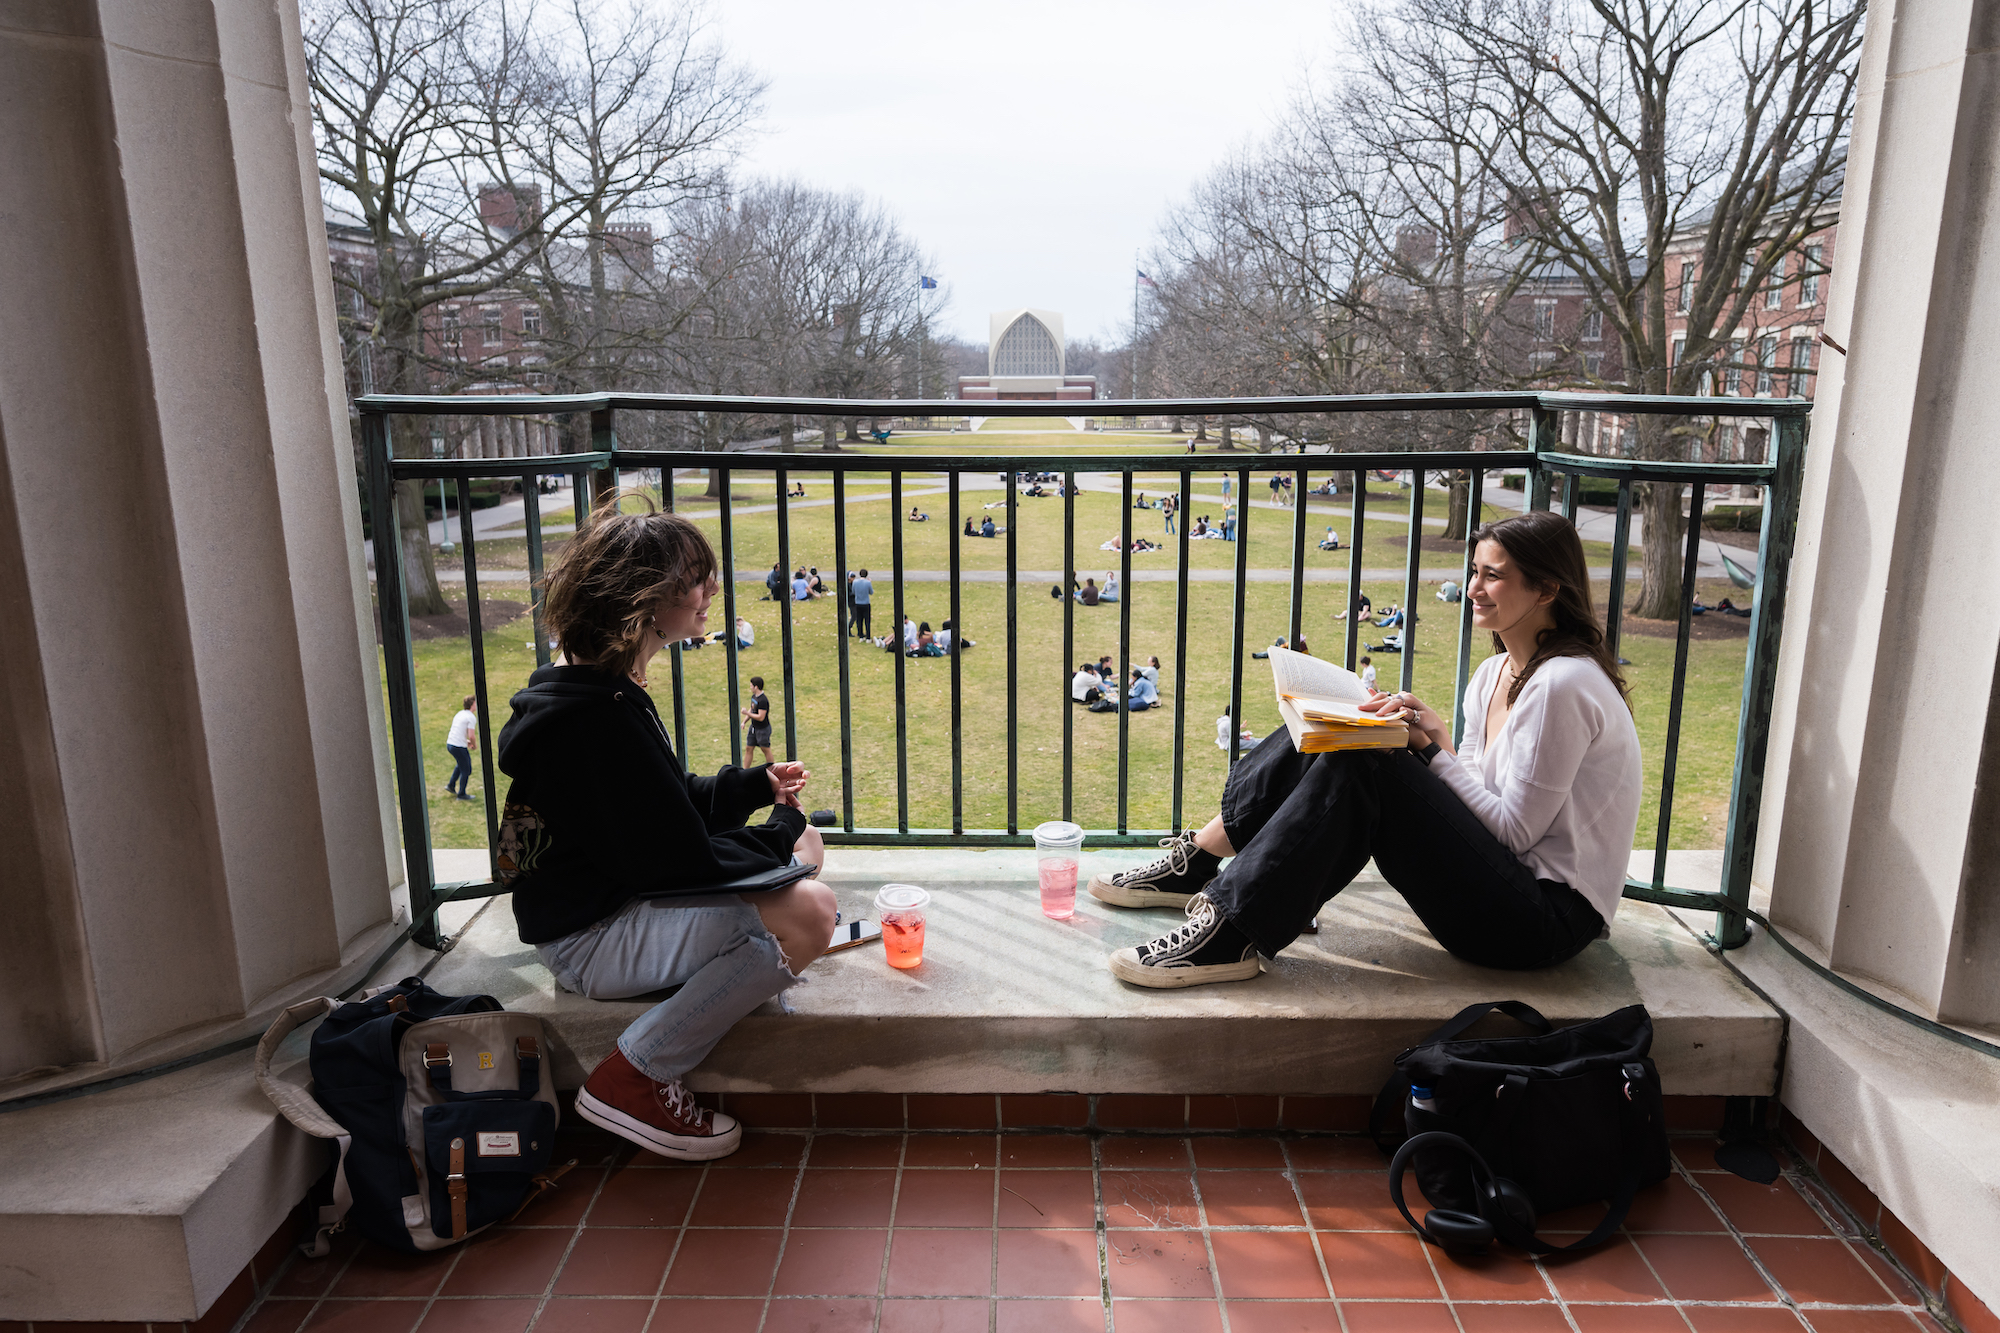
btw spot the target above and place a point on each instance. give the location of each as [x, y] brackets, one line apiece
[601, 810]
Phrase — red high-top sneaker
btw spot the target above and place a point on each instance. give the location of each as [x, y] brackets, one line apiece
[660, 1116]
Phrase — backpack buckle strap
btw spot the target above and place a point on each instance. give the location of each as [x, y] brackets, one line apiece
[455, 1186]
[437, 1064]
[528, 1059]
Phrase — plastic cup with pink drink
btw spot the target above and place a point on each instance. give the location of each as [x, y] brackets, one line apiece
[1058, 848]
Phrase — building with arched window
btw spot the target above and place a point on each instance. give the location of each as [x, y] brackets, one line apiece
[1024, 360]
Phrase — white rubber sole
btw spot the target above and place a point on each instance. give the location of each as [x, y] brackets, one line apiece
[684, 1147]
[1125, 965]
[1102, 889]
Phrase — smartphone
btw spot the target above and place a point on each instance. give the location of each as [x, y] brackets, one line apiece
[847, 934]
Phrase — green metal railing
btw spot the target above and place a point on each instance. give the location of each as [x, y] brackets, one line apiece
[596, 473]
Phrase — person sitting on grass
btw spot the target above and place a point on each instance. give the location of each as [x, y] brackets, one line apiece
[1330, 542]
[970, 531]
[986, 529]
[1143, 694]
[1109, 592]
[1085, 685]
[1088, 594]
[1245, 739]
[1511, 853]
[620, 860]
[917, 516]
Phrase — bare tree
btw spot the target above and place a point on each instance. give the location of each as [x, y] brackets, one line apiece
[1630, 123]
[466, 150]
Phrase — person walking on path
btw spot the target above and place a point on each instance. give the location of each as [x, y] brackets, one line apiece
[758, 715]
[861, 592]
[461, 741]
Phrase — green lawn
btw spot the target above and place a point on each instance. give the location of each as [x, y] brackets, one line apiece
[985, 727]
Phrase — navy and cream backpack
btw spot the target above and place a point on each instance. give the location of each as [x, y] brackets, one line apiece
[443, 1108]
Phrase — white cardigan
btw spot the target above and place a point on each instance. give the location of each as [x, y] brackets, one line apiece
[1560, 786]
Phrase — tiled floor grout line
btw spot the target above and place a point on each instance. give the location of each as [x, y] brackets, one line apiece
[1103, 1234]
[575, 1235]
[1646, 1259]
[1207, 1240]
[784, 1238]
[680, 1238]
[1769, 1279]
[993, 1243]
[889, 1226]
[1319, 1252]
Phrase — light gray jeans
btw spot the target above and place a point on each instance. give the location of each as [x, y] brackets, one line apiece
[715, 948]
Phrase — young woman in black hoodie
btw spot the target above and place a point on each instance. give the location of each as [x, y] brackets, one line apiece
[622, 863]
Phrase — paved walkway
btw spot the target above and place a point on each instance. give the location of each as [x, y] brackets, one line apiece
[509, 519]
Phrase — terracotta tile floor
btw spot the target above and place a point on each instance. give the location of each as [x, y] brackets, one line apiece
[984, 1233]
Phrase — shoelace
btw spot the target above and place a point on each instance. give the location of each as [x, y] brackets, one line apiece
[1201, 918]
[1176, 861]
[681, 1103]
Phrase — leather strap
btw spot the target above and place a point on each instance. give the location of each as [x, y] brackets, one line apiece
[455, 1187]
[437, 1065]
[528, 1058]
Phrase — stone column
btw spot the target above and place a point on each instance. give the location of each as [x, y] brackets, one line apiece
[191, 732]
[1880, 839]
[1881, 843]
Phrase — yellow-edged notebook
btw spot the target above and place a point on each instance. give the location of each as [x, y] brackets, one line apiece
[1320, 704]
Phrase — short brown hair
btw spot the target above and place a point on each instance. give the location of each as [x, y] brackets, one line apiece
[598, 600]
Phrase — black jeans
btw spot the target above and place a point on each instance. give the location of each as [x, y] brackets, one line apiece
[1303, 826]
[861, 610]
[461, 774]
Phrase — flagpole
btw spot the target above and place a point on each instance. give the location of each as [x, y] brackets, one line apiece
[1135, 324]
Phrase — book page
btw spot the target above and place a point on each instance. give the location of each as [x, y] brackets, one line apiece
[1301, 676]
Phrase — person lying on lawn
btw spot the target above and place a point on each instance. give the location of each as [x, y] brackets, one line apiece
[602, 813]
[1512, 851]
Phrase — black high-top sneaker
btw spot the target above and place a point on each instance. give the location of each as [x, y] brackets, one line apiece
[1168, 882]
[1207, 948]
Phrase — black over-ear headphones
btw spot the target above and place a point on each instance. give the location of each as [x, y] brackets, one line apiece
[1505, 1211]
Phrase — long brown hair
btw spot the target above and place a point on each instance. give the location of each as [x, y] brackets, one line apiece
[1547, 553]
[598, 600]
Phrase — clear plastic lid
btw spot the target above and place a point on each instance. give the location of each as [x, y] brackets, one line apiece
[901, 897]
[1058, 832]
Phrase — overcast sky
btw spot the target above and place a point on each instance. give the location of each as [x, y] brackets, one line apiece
[1029, 146]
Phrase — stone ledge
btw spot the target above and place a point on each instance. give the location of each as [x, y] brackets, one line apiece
[1008, 1001]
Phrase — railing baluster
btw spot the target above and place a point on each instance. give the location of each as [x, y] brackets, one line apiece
[734, 721]
[785, 616]
[957, 634]
[412, 796]
[1671, 756]
[674, 649]
[1621, 549]
[896, 631]
[1013, 668]
[1122, 684]
[476, 633]
[531, 513]
[1298, 556]
[1068, 575]
[1412, 567]
[1767, 620]
[1242, 579]
[846, 632]
[1474, 509]
[1357, 521]
[1180, 643]
[1546, 439]
[1572, 486]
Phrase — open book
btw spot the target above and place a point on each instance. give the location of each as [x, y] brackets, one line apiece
[1319, 702]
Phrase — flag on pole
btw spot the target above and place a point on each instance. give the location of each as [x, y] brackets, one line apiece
[926, 284]
[1148, 281]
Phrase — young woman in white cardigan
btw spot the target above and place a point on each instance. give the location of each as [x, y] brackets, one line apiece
[1511, 850]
